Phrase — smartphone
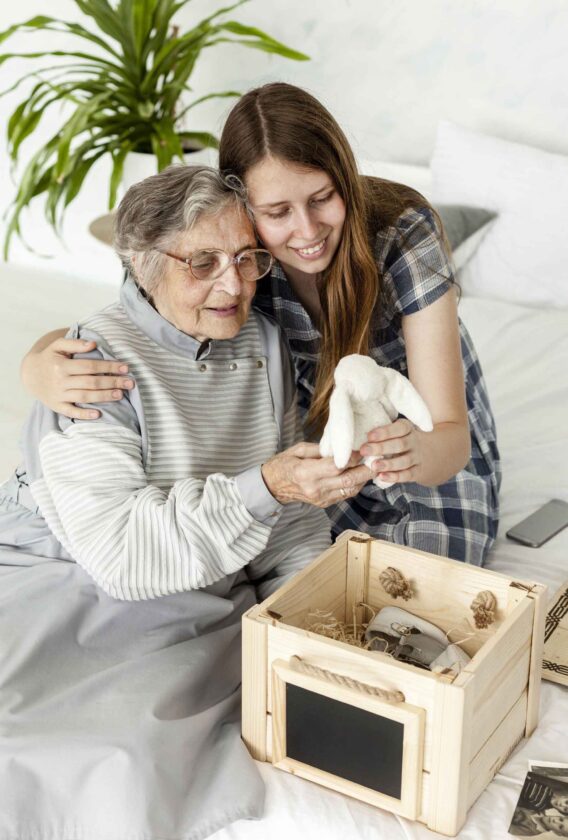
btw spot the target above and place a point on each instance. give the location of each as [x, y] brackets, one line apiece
[540, 526]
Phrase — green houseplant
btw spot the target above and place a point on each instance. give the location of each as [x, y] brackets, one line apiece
[124, 89]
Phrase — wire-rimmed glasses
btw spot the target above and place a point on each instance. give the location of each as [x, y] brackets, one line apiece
[209, 264]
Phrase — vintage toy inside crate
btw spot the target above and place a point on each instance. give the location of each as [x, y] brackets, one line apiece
[419, 743]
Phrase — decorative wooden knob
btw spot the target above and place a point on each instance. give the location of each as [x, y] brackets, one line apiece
[395, 584]
[484, 606]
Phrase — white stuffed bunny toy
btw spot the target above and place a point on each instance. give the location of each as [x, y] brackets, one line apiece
[367, 395]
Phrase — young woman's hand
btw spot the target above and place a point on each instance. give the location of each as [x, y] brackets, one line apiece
[405, 453]
[300, 474]
[59, 381]
[398, 448]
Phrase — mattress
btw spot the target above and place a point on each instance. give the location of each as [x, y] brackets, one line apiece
[524, 355]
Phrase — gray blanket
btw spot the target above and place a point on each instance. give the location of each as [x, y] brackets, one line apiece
[118, 720]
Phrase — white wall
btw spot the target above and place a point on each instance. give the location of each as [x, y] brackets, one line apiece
[388, 69]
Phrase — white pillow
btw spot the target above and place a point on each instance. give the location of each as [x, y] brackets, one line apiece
[524, 255]
[417, 177]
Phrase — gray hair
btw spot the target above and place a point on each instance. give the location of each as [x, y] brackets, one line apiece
[156, 210]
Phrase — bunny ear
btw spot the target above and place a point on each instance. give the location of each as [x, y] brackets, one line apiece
[338, 434]
[406, 400]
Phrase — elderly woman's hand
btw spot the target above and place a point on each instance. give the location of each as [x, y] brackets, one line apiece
[56, 379]
[300, 474]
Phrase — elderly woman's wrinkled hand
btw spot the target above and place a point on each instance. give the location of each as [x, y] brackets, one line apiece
[300, 474]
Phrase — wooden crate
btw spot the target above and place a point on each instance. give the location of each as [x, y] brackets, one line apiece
[449, 734]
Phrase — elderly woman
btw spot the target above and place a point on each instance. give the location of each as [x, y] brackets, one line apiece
[122, 718]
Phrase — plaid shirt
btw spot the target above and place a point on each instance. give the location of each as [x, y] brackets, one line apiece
[459, 518]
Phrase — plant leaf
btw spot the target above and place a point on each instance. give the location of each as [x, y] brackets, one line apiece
[37, 22]
[264, 46]
[74, 181]
[142, 12]
[53, 73]
[75, 125]
[220, 95]
[91, 58]
[14, 119]
[105, 17]
[239, 29]
[24, 128]
[169, 139]
[118, 159]
[86, 34]
[204, 138]
[120, 89]
[225, 10]
[25, 192]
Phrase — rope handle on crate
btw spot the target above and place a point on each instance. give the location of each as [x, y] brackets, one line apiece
[393, 696]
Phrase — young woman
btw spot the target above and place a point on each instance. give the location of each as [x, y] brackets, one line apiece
[362, 266]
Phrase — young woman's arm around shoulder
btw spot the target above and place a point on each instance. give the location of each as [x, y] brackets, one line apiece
[435, 368]
[51, 374]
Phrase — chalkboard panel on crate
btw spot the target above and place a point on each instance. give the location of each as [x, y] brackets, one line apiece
[345, 740]
[353, 742]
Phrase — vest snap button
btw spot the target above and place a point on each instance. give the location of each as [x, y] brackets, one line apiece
[202, 368]
[232, 366]
[260, 363]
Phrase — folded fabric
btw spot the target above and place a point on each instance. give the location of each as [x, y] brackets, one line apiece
[453, 657]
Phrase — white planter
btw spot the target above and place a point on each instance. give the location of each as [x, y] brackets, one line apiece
[139, 165]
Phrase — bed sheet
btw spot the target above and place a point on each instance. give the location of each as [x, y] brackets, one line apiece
[524, 354]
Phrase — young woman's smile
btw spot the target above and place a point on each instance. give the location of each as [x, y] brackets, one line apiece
[312, 252]
[298, 213]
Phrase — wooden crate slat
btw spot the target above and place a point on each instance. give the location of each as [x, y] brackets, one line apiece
[505, 645]
[512, 683]
[449, 775]
[254, 687]
[497, 749]
[321, 585]
[538, 595]
[357, 578]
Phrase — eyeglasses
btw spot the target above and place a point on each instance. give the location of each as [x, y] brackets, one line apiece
[251, 264]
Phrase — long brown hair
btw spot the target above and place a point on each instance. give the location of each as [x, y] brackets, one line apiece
[286, 122]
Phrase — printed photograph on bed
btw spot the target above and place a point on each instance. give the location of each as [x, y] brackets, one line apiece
[551, 769]
[542, 808]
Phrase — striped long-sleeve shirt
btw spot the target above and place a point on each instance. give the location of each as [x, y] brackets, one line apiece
[164, 492]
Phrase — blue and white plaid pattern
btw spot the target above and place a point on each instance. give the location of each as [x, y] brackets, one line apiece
[457, 519]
